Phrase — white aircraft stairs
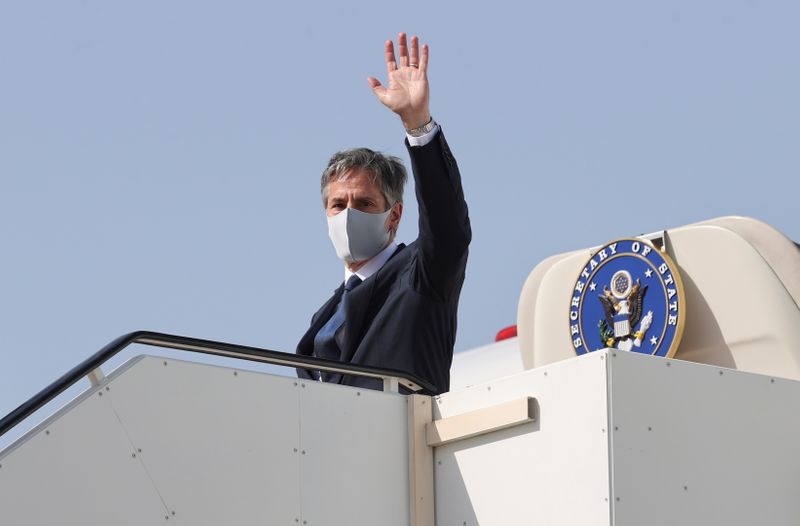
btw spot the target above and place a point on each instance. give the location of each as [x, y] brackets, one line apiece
[528, 434]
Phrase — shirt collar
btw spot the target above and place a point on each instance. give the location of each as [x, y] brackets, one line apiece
[373, 265]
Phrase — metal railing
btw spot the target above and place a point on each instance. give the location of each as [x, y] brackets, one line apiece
[392, 380]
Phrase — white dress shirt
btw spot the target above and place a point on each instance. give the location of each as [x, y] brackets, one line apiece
[373, 265]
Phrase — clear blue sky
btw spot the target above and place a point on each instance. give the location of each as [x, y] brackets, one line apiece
[159, 161]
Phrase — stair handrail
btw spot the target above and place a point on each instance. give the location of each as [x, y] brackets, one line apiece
[392, 379]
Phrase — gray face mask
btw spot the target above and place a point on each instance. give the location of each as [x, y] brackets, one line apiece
[357, 235]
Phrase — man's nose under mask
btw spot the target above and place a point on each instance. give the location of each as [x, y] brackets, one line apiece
[357, 235]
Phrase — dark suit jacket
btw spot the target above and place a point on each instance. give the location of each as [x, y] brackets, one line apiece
[404, 316]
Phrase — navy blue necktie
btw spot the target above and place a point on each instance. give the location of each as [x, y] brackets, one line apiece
[325, 345]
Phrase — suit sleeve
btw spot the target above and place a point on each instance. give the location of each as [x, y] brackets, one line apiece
[444, 228]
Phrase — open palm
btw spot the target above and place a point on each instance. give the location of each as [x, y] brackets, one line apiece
[408, 92]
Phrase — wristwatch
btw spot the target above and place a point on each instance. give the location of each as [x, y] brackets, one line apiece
[422, 130]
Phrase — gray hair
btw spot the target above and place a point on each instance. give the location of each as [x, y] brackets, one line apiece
[388, 171]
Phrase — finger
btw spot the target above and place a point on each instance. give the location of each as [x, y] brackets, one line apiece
[423, 59]
[377, 88]
[403, 45]
[391, 63]
[414, 59]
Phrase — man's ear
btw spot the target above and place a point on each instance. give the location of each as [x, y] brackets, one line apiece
[393, 221]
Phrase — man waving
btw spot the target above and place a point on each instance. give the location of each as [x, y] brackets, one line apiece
[397, 305]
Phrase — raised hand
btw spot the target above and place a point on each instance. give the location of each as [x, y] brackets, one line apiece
[408, 93]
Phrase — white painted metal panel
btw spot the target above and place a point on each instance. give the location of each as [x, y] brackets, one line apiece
[219, 444]
[78, 469]
[551, 471]
[164, 440]
[697, 444]
[355, 466]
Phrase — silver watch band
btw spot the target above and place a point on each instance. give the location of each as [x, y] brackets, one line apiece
[422, 130]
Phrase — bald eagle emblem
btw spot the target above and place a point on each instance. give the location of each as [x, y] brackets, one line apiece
[622, 305]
